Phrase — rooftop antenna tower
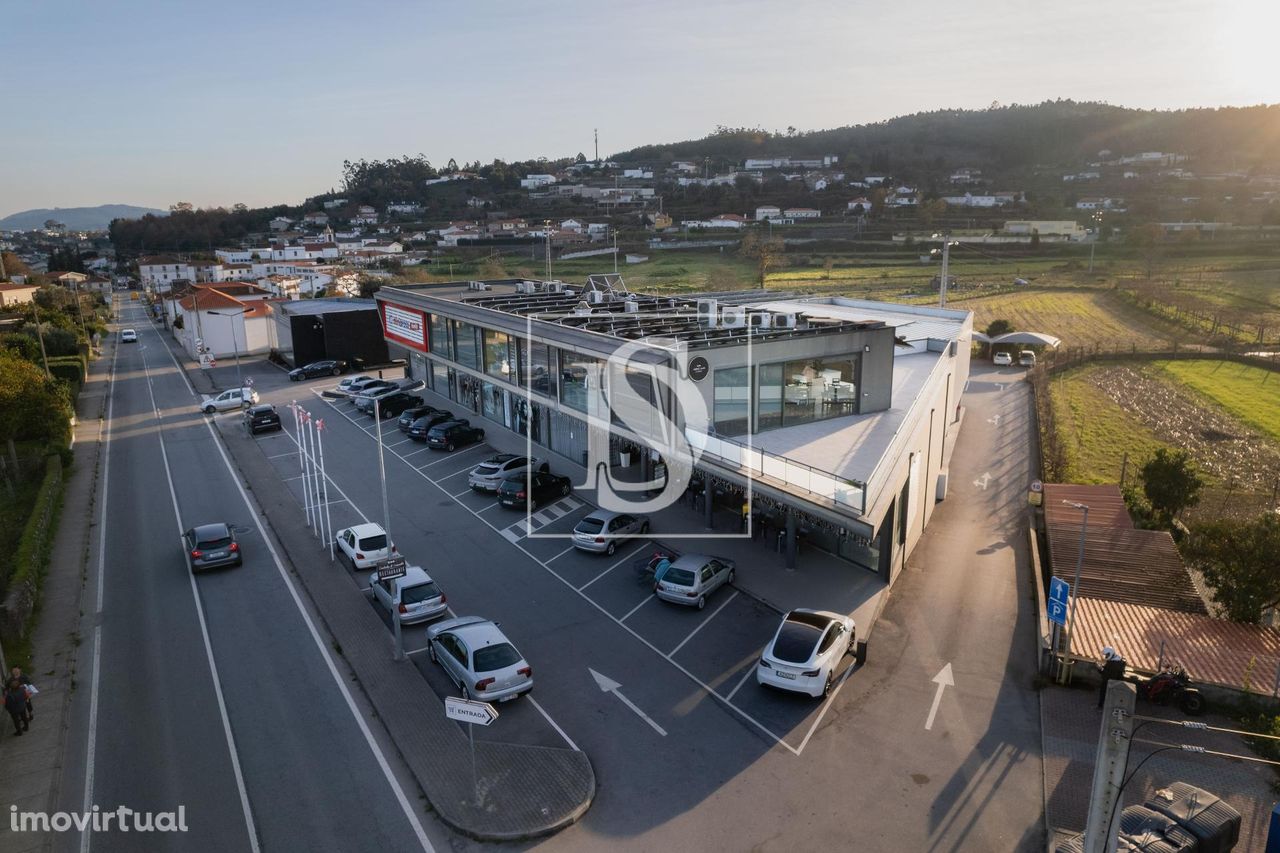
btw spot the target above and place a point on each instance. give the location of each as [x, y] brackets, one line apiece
[596, 131]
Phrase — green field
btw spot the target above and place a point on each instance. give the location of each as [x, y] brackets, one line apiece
[1097, 433]
[1251, 394]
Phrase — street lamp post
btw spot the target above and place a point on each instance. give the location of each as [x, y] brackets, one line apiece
[386, 522]
[234, 345]
[1075, 589]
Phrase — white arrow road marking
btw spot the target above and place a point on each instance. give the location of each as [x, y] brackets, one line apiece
[994, 420]
[982, 481]
[608, 685]
[1000, 386]
[943, 679]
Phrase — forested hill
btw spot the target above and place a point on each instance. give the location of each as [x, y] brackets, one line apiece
[1005, 138]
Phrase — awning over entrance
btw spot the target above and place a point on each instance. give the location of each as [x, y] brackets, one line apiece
[1033, 338]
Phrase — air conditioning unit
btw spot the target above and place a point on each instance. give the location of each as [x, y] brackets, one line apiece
[784, 321]
[734, 317]
[631, 306]
[596, 297]
[554, 286]
[707, 312]
[569, 291]
[526, 287]
[760, 319]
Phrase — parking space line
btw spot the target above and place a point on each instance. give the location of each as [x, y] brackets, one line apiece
[561, 554]
[611, 568]
[741, 681]
[567, 739]
[672, 653]
[513, 538]
[486, 509]
[454, 455]
[417, 651]
[411, 453]
[826, 706]
[398, 443]
[294, 454]
[647, 599]
[469, 491]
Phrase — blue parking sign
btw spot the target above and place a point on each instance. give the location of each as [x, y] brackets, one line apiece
[1059, 590]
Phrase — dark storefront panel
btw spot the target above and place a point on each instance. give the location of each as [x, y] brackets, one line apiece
[355, 336]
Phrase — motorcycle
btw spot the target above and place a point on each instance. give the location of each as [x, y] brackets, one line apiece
[1172, 686]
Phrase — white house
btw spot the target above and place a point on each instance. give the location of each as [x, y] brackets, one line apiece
[319, 251]
[768, 211]
[1091, 203]
[222, 324]
[860, 204]
[16, 294]
[316, 217]
[637, 173]
[334, 203]
[281, 223]
[597, 230]
[900, 200]
[684, 166]
[571, 225]
[161, 271]
[365, 215]
[530, 182]
[801, 213]
[233, 256]
[971, 200]
[875, 180]
[404, 207]
[727, 220]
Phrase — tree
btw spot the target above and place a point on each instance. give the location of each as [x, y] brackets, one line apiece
[930, 210]
[766, 253]
[999, 327]
[1241, 561]
[32, 406]
[13, 265]
[1035, 238]
[182, 207]
[1171, 483]
[1148, 240]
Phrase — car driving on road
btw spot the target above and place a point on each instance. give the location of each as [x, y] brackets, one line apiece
[128, 336]
[261, 418]
[692, 578]
[489, 474]
[806, 652]
[479, 658]
[364, 545]
[327, 367]
[232, 398]
[414, 594]
[451, 435]
[210, 546]
[532, 488]
[602, 530]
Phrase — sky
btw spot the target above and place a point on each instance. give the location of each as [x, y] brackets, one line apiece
[152, 103]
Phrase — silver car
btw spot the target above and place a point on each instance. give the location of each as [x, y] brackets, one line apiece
[601, 531]
[232, 398]
[693, 577]
[414, 594]
[489, 474]
[479, 658]
[210, 546]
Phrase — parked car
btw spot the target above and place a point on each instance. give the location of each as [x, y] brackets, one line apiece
[806, 652]
[232, 398]
[453, 434]
[364, 400]
[393, 405]
[602, 530]
[262, 418]
[531, 488]
[692, 577]
[414, 594]
[479, 658]
[1027, 358]
[350, 384]
[128, 336]
[210, 546]
[1002, 359]
[489, 474]
[327, 367]
[421, 428]
[364, 545]
[369, 384]
[411, 414]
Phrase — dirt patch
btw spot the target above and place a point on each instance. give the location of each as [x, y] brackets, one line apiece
[1223, 447]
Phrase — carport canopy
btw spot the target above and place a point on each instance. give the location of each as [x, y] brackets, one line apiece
[1034, 338]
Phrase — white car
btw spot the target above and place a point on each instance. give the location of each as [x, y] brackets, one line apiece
[806, 652]
[1002, 359]
[479, 658]
[128, 336]
[232, 398]
[489, 474]
[354, 383]
[414, 594]
[364, 545]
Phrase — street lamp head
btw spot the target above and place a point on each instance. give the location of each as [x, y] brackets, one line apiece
[1076, 504]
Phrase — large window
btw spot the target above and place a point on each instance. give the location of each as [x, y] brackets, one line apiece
[769, 406]
[537, 368]
[440, 379]
[575, 371]
[733, 401]
[440, 341]
[467, 348]
[499, 355]
[818, 388]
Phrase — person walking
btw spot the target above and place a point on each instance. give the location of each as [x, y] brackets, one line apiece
[1112, 666]
[17, 673]
[15, 702]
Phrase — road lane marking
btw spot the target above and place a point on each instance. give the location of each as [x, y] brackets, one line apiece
[944, 680]
[608, 685]
[704, 622]
[561, 554]
[614, 566]
[647, 599]
[553, 723]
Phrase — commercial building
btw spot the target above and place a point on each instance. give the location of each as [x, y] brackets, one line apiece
[834, 417]
[307, 330]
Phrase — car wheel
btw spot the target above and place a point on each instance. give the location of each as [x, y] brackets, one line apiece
[644, 529]
[480, 435]
[449, 447]
[431, 652]
[564, 490]
[335, 372]
[702, 601]
[826, 687]
[466, 694]
[731, 576]
[294, 378]
[613, 546]
[209, 410]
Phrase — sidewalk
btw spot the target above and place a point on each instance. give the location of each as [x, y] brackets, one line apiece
[526, 791]
[34, 763]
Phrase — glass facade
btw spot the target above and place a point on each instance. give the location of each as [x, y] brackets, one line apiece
[440, 339]
[575, 370]
[769, 401]
[440, 379]
[499, 355]
[732, 415]
[818, 388]
[466, 344]
[537, 368]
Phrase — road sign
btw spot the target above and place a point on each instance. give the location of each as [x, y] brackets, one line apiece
[1037, 486]
[1059, 590]
[469, 711]
[393, 567]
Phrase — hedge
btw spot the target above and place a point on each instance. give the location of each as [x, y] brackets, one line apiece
[22, 589]
[68, 367]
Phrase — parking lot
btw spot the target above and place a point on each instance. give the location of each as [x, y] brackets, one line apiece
[713, 650]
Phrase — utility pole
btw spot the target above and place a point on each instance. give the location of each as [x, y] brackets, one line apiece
[615, 251]
[596, 131]
[946, 260]
[1065, 672]
[1101, 830]
[546, 231]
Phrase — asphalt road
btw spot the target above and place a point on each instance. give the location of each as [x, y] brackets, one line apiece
[214, 694]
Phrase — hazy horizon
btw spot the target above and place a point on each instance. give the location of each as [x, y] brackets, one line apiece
[148, 104]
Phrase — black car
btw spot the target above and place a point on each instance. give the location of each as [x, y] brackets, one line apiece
[328, 367]
[533, 488]
[422, 425]
[408, 416]
[397, 404]
[212, 545]
[261, 418]
[451, 434]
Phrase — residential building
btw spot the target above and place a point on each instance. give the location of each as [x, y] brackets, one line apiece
[571, 225]
[159, 272]
[801, 213]
[768, 211]
[404, 208]
[280, 223]
[641, 174]
[861, 205]
[1102, 203]
[334, 203]
[16, 294]
[223, 321]
[365, 215]
[530, 182]
[1068, 228]
[316, 218]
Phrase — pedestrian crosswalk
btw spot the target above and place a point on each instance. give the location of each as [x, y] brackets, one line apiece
[540, 519]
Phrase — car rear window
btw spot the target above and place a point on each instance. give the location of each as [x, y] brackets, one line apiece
[486, 470]
[374, 543]
[496, 656]
[589, 525]
[211, 544]
[796, 641]
[419, 593]
[680, 577]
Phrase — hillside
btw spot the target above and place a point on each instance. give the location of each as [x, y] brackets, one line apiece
[76, 218]
[1054, 133]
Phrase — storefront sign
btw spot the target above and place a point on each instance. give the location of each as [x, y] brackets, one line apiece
[698, 368]
[405, 326]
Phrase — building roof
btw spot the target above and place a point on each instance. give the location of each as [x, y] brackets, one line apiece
[157, 260]
[9, 287]
[325, 306]
[1120, 562]
[1214, 651]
